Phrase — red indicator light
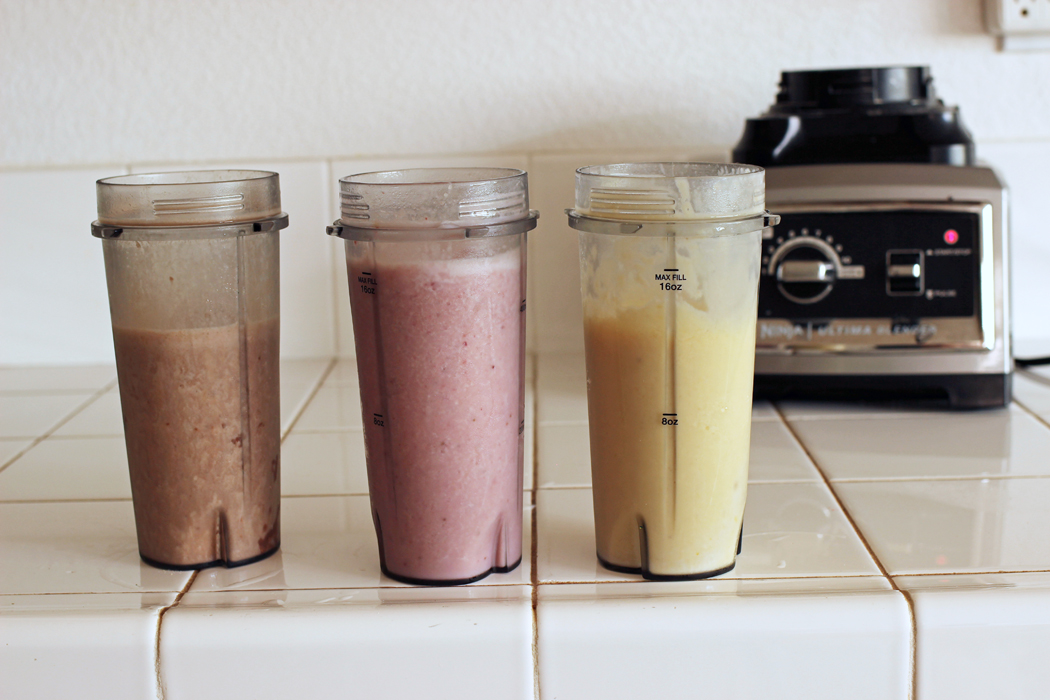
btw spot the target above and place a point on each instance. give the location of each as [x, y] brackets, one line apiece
[951, 236]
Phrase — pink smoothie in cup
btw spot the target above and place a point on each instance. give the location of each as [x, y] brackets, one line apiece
[439, 352]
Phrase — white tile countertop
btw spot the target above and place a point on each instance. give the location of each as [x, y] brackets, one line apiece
[888, 552]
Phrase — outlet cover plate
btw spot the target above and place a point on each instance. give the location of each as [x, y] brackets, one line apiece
[1021, 25]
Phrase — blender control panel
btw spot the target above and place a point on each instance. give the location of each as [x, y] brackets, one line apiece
[871, 277]
[861, 264]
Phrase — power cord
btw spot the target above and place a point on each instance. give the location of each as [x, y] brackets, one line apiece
[1031, 361]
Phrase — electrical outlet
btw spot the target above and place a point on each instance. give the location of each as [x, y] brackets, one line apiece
[1022, 25]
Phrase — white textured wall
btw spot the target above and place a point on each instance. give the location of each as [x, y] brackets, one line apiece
[317, 89]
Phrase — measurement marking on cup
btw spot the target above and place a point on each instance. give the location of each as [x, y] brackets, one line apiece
[377, 419]
[668, 279]
[670, 419]
[368, 283]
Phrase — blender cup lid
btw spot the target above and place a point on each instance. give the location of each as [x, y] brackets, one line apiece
[418, 198]
[188, 198]
[670, 192]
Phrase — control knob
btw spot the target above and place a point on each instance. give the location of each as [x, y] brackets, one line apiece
[807, 268]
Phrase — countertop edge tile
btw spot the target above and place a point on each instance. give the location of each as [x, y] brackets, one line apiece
[855, 645]
[83, 646]
[981, 635]
[376, 647]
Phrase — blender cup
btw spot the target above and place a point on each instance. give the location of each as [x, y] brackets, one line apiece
[192, 269]
[436, 265]
[669, 263]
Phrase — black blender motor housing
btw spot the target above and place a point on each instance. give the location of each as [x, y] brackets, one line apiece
[856, 115]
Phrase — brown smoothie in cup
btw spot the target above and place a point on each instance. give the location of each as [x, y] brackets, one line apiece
[203, 447]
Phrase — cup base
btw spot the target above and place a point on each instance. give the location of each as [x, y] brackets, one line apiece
[650, 576]
[452, 582]
[207, 565]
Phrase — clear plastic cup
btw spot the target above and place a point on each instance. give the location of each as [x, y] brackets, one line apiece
[436, 265]
[192, 264]
[669, 262]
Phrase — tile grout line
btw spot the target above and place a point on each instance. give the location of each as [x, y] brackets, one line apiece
[744, 579]
[156, 642]
[128, 499]
[309, 398]
[567, 423]
[583, 423]
[31, 501]
[534, 530]
[1032, 375]
[527, 153]
[582, 582]
[963, 572]
[87, 436]
[855, 417]
[1042, 421]
[954, 477]
[68, 417]
[914, 641]
[532, 154]
[533, 584]
[766, 482]
[333, 263]
[29, 393]
[332, 431]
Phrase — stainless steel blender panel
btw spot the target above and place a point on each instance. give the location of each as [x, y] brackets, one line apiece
[802, 343]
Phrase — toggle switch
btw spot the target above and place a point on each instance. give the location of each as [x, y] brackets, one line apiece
[904, 273]
[806, 271]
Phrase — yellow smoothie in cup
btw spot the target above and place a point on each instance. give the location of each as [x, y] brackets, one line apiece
[669, 489]
[670, 365]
